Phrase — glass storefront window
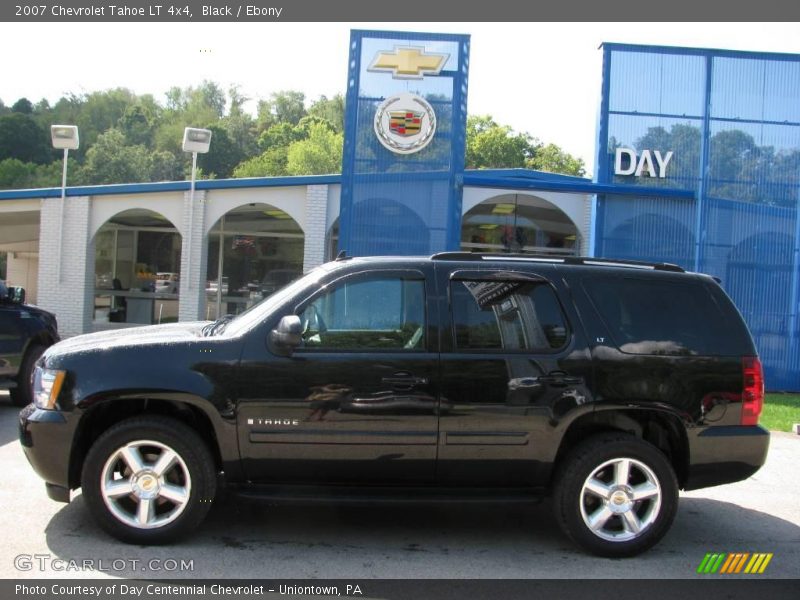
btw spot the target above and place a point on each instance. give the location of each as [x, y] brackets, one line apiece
[253, 251]
[137, 266]
[520, 225]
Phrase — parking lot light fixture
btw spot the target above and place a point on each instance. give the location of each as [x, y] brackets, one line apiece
[196, 141]
[63, 137]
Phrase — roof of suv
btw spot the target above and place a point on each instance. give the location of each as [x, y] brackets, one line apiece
[565, 260]
[488, 258]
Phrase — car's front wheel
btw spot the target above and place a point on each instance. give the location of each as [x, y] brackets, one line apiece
[616, 495]
[149, 480]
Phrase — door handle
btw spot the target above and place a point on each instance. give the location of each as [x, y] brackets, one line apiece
[404, 381]
[559, 378]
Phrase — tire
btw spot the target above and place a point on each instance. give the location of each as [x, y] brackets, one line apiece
[592, 489]
[161, 504]
[21, 395]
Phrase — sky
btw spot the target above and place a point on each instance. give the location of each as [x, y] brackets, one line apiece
[540, 78]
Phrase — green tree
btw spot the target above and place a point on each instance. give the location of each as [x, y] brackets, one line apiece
[320, 153]
[139, 121]
[282, 107]
[209, 95]
[494, 146]
[280, 135]
[223, 154]
[332, 110]
[100, 111]
[239, 124]
[23, 105]
[270, 163]
[64, 112]
[553, 159]
[42, 107]
[15, 174]
[275, 144]
[112, 160]
[22, 138]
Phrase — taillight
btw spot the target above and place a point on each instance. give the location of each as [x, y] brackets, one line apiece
[753, 392]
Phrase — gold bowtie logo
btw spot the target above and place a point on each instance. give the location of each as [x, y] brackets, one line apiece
[408, 62]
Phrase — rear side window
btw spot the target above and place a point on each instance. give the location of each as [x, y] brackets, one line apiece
[506, 315]
[665, 317]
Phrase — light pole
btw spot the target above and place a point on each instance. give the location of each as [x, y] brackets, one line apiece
[64, 137]
[196, 141]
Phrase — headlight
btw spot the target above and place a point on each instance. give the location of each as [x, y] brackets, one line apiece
[46, 387]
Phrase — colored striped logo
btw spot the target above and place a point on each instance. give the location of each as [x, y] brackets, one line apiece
[405, 122]
[732, 563]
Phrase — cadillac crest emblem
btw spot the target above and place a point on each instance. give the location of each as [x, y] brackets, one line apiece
[405, 123]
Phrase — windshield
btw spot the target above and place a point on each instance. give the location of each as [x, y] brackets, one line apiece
[257, 313]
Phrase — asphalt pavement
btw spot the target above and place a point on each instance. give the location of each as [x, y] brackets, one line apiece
[248, 539]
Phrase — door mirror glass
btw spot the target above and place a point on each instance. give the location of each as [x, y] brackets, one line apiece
[286, 336]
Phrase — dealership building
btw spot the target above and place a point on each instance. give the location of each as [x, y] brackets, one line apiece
[698, 164]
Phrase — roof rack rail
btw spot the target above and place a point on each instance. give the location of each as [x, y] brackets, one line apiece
[567, 260]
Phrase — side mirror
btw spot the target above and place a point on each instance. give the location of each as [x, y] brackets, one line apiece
[286, 336]
[16, 294]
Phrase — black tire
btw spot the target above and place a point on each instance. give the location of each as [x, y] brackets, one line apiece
[21, 395]
[575, 505]
[194, 465]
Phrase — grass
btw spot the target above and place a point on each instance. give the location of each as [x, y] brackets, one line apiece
[780, 412]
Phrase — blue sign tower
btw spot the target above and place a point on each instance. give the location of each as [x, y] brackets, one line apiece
[405, 133]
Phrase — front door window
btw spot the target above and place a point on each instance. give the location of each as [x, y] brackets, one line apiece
[386, 313]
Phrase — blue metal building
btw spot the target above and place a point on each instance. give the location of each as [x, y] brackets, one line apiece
[726, 202]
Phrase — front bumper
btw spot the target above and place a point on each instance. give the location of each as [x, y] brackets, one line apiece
[46, 438]
[725, 454]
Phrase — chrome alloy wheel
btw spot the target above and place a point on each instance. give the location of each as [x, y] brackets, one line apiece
[145, 484]
[620, 500]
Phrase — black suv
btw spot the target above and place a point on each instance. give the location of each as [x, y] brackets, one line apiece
[25, 333]
[608, 385]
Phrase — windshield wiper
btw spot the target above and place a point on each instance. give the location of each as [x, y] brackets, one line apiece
[217, 326]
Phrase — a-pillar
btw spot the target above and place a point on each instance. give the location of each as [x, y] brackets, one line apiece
[194, 257]
[316, 226]
[66, 263]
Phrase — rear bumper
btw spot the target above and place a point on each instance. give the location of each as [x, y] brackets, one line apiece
[46, 437]
[719, 455]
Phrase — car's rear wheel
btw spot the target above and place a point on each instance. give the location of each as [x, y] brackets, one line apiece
[149, 480]
[616, 495]
[21, 395]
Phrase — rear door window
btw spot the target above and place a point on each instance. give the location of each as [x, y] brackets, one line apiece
[506, 315]
[663, 317]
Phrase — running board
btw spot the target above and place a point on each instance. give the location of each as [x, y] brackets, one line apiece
[316, 494]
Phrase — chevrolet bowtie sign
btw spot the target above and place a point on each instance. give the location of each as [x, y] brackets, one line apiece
[408, 62]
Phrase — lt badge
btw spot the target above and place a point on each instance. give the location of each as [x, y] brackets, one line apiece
[405, 123]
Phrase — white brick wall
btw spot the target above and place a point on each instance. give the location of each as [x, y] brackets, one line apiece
[66, 287]
[23, 270]
[316, 226]
[194, 248]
